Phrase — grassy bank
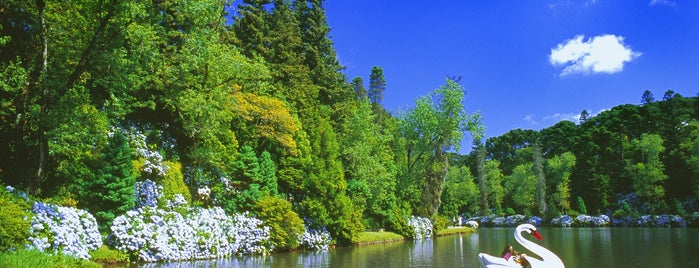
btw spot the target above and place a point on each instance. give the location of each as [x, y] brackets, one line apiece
[368, 238]
[455, 230]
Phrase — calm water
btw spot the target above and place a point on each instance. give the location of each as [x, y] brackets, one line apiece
[577, 247]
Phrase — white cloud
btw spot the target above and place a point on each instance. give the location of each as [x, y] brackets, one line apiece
[670, 3]
[550, 120]
[573, 117]
[599, 54]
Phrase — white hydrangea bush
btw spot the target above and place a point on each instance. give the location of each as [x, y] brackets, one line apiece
[422, 227]
[315, 239]
[66, 230]
[152, 234]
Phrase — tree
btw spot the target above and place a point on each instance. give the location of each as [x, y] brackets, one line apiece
[521, 188]
[538, 169]
[111, 193]
[507, 148]
[460, 193]
[368, 163]
[558, 170]
[358, 86]
[325, 202]
[647, 97]
[435, 126]
[648, 172]
[377, 85]
[268, 176]
[285, 224]
[690, 150]
[481, 174]
[584, 116]
[494, 178]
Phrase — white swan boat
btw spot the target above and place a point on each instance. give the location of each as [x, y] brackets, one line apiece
[548, 258]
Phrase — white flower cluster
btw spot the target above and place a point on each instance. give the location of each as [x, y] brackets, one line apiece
[422, 227]
[153, 159]
[66, 230]
[204, 193]
[153, 234]
[147, 193]
[315, 239]
[587, 220]
[178, 201]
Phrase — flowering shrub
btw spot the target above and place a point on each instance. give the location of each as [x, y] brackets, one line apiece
[563, 221]
[153, 234]
[63, 229]
[147, 193]
[315, 239]
[535, 220]
[422, 226]
[498, 221]
[514, 220]
[590, 221]
[153, 159]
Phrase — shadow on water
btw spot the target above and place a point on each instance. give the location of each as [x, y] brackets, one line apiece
[577, 247]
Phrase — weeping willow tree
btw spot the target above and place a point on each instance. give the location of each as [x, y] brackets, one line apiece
[432, 129]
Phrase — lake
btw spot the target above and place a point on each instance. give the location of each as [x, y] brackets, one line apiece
[577, 247]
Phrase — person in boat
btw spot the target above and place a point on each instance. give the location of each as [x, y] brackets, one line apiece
[509, 254]
[521, 259]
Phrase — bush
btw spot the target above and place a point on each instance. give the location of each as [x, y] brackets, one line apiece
[397, 223]
[151, 234]
[440, 223]
[106, 255]
[315, 239]
[63, 230]
[14, 229]
[173, 182]
[422, 226]
[285, 225]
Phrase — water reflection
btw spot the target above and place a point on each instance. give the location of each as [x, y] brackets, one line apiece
[577, 247]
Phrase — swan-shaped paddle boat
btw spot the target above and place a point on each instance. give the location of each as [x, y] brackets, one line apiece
[548, 258]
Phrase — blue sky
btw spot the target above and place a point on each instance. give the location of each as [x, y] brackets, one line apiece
[524, 64]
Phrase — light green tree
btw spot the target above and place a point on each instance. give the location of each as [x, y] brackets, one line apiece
[494, 183]
[648, 171]
[558, 170]
[460, 193]
[521, 188]
[368, 164]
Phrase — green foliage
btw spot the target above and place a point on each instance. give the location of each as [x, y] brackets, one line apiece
[106, 255]
[14, 224]
[398, 223]
[285, 224]
[460, 193]
[436, 124]
[558, 170]
[496, 191]
[521, 188]
[439, 223]
[111, 193]
[582, 208]
[173, 182]
[647, 173]
[377, 85]
[368, 164]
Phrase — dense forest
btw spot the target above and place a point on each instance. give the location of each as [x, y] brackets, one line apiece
[247, 108]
